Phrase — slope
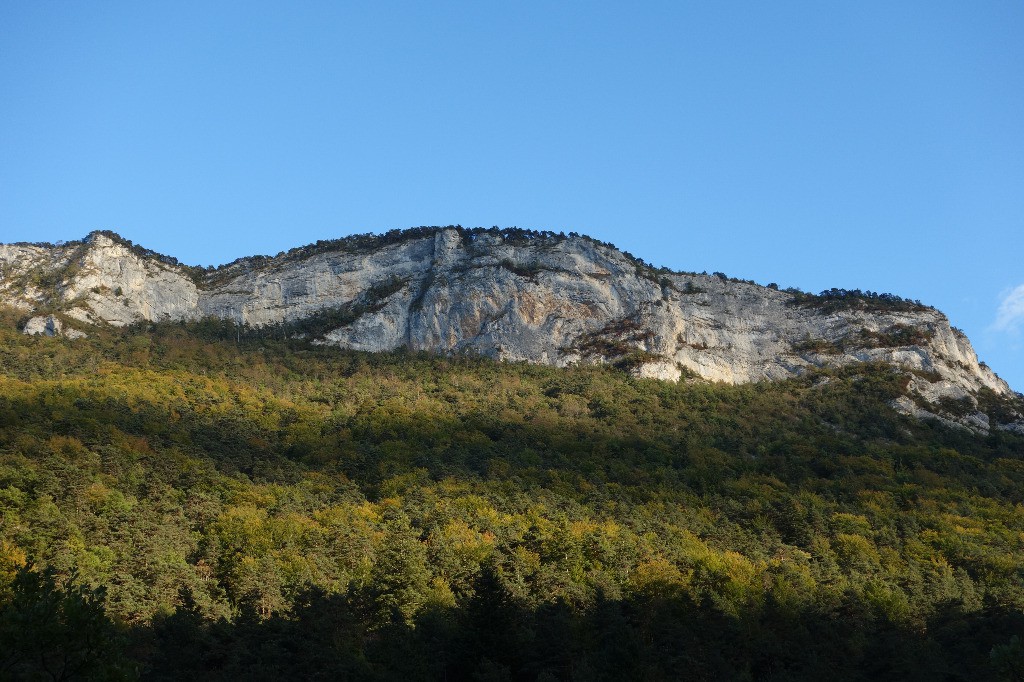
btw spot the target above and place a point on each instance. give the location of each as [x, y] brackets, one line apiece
[512, 295]
[266, 507]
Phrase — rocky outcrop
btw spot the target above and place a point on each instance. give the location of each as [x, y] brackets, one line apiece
[509, 295]
[49, 325]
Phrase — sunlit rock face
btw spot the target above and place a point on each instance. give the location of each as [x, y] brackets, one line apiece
[50, 325]
[539, 298]
[98, 280]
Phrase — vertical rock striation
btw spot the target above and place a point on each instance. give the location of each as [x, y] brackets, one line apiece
[509, 295]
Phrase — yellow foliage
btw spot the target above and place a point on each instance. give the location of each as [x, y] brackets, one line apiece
[12, 558]
[856, 551]
[658, 573]
[851, 523]
[440, 594]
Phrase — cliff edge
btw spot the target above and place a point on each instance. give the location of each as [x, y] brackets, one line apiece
[518, 296]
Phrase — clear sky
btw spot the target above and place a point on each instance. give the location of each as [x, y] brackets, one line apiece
[871, 145]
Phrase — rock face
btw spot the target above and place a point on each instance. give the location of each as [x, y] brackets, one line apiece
[49, 325]
[535, 297]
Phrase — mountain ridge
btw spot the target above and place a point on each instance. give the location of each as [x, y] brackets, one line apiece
[510, 294]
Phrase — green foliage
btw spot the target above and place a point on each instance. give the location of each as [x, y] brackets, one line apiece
[528, 271]
[896, 336]
[619, 341]
[57, 630]
[835, 300]
[263, 508]
[1008, 659]
[816, 345]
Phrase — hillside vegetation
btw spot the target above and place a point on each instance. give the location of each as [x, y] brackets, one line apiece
[180, 502]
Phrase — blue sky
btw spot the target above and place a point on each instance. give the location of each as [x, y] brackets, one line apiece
[870, 145]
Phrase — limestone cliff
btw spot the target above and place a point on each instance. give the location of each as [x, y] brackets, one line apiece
[510, 295]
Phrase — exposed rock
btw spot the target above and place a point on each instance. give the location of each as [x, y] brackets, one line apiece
[1015, 427]
[539, 298]
[48, 325]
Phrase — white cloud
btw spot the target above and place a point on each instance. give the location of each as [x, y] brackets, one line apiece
[1010, 316]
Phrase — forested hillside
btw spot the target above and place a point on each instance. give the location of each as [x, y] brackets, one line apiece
[182, 501]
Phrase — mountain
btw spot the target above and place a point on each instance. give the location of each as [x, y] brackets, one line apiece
[513, 295]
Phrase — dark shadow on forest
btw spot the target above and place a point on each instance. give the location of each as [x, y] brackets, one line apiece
[658, 634]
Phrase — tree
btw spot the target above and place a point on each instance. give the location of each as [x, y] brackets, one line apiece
[57, 630]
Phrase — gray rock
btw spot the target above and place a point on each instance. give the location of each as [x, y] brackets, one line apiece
[48, 325]
[546, 300]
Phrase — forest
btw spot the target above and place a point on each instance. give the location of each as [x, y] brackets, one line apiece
[181, 501]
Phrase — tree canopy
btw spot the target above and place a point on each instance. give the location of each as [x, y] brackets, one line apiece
[178, 503]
